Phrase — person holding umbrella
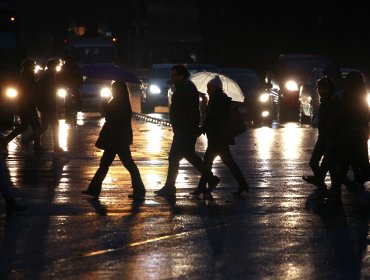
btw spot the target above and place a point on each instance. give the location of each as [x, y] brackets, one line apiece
[218, 111]
[115, 138]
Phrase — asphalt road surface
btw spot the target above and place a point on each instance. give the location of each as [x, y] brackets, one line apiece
[281, 229]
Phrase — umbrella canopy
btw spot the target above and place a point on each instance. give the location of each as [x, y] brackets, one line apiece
[229, 86]
[109, 72]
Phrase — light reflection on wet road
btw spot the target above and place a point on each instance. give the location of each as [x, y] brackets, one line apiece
[281, 229]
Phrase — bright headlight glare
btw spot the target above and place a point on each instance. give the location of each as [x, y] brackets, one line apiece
[368, 99]
[291, 85]
[264, 97]
[105, 92]
[265, 114]
[62, 93]
[11, 92]
[154, 89]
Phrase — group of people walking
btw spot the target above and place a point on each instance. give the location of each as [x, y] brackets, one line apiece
[341, 144]
[343, 132]
[36, 108]
[116, 136]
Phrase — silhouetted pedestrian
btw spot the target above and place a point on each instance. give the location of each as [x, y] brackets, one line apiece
[217, 113]
[46, 88]
[318, 162]
[185, 121]
[70, 78]
[115, 138]
[355, 112]
[26, 105]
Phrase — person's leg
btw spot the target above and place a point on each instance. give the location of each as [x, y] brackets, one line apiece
[35, 125]
[137, 184]
[38, 130]
[174, 157]
[19, 129]
[54, 122]
[95, 185]
[228, 160]
[316, 156]
[209, 157]
[195, 160]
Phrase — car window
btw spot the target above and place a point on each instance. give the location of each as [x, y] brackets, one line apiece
[160, 73]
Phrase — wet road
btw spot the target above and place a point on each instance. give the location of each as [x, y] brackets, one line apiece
[281, 229]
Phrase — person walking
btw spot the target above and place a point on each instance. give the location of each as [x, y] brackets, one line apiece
[115, 138]
[218, 111]
[355, 122]
[185, 121]
[26, 106]
[46, 88]
[318, 162]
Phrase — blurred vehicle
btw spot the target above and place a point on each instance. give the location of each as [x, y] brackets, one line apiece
[9, 65]
[154, 89]
[309, 99]
[194, 68]
[289, 73]
[259, 106]
[93, 50]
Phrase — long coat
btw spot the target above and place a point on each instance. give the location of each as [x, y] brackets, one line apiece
[117, 130]
[218, 111]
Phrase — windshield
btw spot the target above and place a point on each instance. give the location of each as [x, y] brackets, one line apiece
[302, 67]
[160, 73]
[85, 55]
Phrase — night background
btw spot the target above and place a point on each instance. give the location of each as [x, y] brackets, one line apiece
[233, 33]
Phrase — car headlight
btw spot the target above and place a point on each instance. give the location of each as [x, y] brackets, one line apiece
[368, 99]
[11, 92]
[291, 85]
[106, 93]
[264, 97]
[154, 89]
[62, 93]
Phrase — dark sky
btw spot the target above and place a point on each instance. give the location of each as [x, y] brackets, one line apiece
[233, 33]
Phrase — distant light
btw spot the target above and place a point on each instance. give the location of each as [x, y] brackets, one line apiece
[12, 18]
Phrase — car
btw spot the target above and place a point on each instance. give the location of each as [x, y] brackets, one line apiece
[259, 106]
[154, 90]
[286, 77]
[193, 68]
[309, 99]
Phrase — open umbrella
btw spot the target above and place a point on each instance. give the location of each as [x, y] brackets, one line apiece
[109, 72]
[229, 86]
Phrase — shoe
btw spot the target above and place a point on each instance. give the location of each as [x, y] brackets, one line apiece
[241, 189]
[213, 182]
[166, 191]
[92, 193]
[12, 206]
[137, 194]
[310, 179]
[199, 191]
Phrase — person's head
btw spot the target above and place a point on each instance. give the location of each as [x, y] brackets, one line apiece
[325, 87]
[178, 74]
[214, 85]
[354, 85]
[332, 71]
[52, 64]
[120, 90]
[28, 65]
